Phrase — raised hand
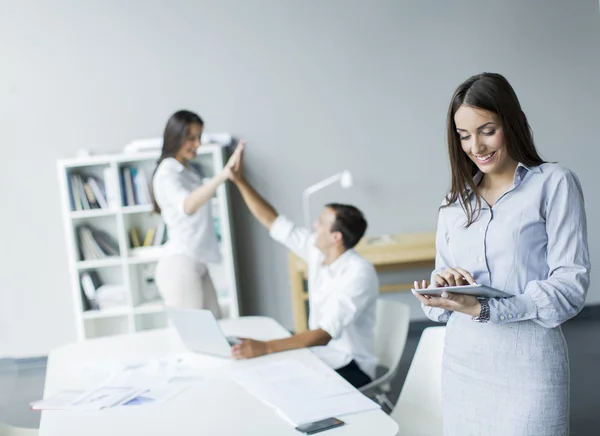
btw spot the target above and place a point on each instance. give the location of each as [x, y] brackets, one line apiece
[235, 163]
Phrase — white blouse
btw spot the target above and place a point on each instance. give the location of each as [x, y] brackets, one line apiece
[192, 235]
[532, 243]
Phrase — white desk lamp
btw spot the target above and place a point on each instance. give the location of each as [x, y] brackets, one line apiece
[345, 179]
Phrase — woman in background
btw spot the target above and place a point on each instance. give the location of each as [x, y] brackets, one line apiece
[516, 223]
[184, 202]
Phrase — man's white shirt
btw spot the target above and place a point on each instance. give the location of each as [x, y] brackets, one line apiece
[342, 299]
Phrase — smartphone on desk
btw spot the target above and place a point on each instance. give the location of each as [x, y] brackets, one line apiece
[319, 426]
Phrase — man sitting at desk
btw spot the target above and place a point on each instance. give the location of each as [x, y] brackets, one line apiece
[342, 287]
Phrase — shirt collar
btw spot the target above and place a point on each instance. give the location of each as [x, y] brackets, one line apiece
[176, 164]
[532, 168]
[518, 174]
[194, 167]
[337, 265]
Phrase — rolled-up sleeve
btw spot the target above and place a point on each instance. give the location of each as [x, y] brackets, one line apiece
[348, 304]
[561, 296]
[297, 239]
[442, 262]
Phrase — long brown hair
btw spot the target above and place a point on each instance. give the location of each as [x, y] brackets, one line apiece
[493, 93]
[176, 132]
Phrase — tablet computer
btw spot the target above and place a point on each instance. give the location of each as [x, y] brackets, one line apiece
[476, 290]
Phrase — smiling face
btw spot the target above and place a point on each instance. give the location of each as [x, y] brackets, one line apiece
[482, 139]
[187, 151]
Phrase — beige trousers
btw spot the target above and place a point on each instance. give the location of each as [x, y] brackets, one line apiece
[185, 283]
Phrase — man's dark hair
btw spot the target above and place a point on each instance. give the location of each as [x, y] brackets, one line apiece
[350, 222]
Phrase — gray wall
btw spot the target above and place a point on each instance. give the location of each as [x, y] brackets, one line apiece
[315, 87]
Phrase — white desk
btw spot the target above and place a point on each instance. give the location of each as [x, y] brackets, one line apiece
[216, 406]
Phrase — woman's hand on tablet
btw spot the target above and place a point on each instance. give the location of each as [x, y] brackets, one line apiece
[467, 304]
[456, 276]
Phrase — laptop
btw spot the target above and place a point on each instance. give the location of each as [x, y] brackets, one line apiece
[200, 331]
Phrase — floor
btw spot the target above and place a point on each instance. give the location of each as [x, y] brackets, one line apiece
[23, 381]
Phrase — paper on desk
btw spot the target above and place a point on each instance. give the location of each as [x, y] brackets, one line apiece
[110, 368]
[277, 381]
[157, 395]
[300, 394]
[156, 372]
[96, 399]
[105, 397]
[302, 412]
[153, 381]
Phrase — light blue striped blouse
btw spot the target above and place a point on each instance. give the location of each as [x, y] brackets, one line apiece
[532, 243]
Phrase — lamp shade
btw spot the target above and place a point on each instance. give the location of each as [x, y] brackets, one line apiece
[346, 179]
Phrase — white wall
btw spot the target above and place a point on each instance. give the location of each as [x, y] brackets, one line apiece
[314, 86]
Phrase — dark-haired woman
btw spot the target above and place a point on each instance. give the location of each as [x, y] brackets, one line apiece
[516, 223]
[184, 202]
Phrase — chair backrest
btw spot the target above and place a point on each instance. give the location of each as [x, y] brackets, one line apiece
[418, 411]
[391, 330]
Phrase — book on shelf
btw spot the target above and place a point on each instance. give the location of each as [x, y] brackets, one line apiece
[134, 237]
[149, 237]
[90, 281]
[135, 187]
[95, 244]
[154, 236]
[141, 187]
[86, 192]
[99, 192]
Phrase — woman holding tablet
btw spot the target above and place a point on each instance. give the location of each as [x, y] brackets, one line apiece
[184, 202]
[517, 224]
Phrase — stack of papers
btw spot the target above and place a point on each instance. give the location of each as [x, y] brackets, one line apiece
[300, 394]
[96, 399]
[134, 384]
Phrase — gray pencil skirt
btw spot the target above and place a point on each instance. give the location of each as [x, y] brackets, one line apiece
[504, 379]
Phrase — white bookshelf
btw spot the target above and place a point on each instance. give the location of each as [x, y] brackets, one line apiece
[131, 268]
